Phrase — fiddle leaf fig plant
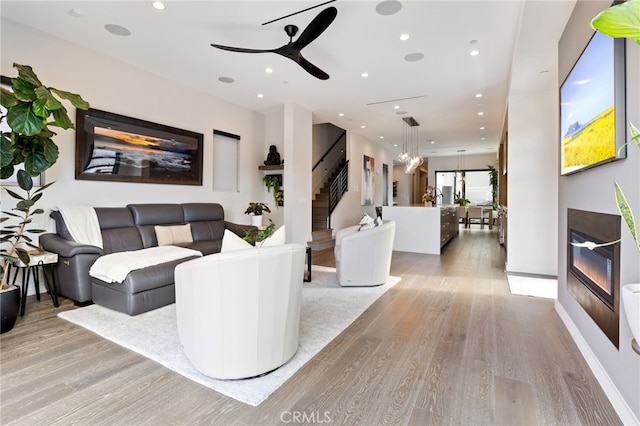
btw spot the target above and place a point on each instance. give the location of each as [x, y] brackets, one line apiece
[32, 108]
[26, 140]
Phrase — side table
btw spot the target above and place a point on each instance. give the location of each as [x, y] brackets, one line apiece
[36, 259]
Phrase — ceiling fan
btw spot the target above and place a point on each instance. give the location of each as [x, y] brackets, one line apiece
[292, 49]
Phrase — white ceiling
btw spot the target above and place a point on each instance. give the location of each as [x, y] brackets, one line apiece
[438, 91]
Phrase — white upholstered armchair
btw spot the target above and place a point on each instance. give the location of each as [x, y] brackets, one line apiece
[238, 313]
[363, 258]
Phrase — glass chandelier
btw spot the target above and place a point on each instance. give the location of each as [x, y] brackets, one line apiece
[410, 155]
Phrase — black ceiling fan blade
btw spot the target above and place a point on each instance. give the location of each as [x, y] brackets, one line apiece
[241, 49]
[316, 27]
[310, 68]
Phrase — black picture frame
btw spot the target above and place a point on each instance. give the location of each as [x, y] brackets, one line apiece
[113, 147]
[593, 107]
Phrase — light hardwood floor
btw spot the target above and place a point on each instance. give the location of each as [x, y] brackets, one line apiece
[447, 345]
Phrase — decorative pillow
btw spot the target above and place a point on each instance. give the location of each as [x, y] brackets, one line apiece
[278, 238]
[231, 242]
[168, 235]
[367, 222]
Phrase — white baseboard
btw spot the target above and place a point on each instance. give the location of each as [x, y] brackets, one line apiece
[530, 285]
[619, 404]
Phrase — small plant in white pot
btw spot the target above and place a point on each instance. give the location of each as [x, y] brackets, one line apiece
[255, 210]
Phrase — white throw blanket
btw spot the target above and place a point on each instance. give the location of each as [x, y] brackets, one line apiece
[82, 223]
[115, 267]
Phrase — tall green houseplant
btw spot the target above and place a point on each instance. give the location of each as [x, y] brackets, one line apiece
[31, 110]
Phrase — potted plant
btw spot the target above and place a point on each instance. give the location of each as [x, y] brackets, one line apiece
[493, 181]
[460, 200]
[623, 21]
[273, 182]
[258, 235]
[31, 109]
[255, 210]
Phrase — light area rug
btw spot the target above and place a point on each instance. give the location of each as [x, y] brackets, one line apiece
[327, 309]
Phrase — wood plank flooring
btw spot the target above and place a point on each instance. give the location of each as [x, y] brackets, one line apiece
[448, 345]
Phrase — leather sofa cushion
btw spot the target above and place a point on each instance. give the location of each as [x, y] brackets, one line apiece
[147, 216]
[118, 230]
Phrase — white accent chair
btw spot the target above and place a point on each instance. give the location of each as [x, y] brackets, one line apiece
[363, 258]
[238, 313]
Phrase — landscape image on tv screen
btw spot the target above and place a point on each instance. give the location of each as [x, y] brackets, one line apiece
[587, 108]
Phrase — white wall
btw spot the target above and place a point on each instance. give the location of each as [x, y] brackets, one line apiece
[577, 191]
[349, 211]
[533, 183]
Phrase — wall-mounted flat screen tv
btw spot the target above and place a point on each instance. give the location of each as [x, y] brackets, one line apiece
[592, 107]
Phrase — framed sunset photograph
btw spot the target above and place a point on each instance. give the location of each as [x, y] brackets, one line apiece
[112, 147]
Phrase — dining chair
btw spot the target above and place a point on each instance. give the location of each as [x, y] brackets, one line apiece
[474, 215]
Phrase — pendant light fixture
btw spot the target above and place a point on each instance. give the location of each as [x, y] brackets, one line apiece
[410, 155]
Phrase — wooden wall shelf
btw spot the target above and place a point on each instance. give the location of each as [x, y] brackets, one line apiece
[278, 167]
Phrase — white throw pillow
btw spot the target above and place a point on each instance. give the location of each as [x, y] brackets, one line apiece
[367, 222]
[231, 242]
[278, 238]
[169, 235]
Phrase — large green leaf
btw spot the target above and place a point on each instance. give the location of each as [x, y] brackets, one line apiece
[6, 172]
[35, 163]
[6, 156]
[26, 72]
[47, 97]
[76, 100]
[50, 151]
[22, 90]
[61, 119]
[627, 213]
[24, 180]
[40, 109]
[23, 120]
[7, 98]
[621, 20]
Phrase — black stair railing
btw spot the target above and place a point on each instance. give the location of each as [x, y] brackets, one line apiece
[338, 187]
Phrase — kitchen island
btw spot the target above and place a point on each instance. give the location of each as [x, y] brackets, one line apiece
[421, 229]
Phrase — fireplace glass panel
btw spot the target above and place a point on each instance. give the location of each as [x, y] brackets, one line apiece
[594, 268]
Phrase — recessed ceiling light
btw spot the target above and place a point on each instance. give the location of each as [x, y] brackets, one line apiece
[482, 128]
[76, 13]
[483, 138]
[268, 70]
[260, 95]
[396, 107]
[481, 113]
[432, 142]
[381, 137]
[363, 126]
[225, 79]
[364, 75]
[117, 30]
[395, 144]
[341, 114]
[388, 7]
[414, 57]
[404, 37]
[158, 5]
[478, 95]
[474, 53]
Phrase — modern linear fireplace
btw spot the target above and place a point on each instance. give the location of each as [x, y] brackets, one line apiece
[593, 272]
